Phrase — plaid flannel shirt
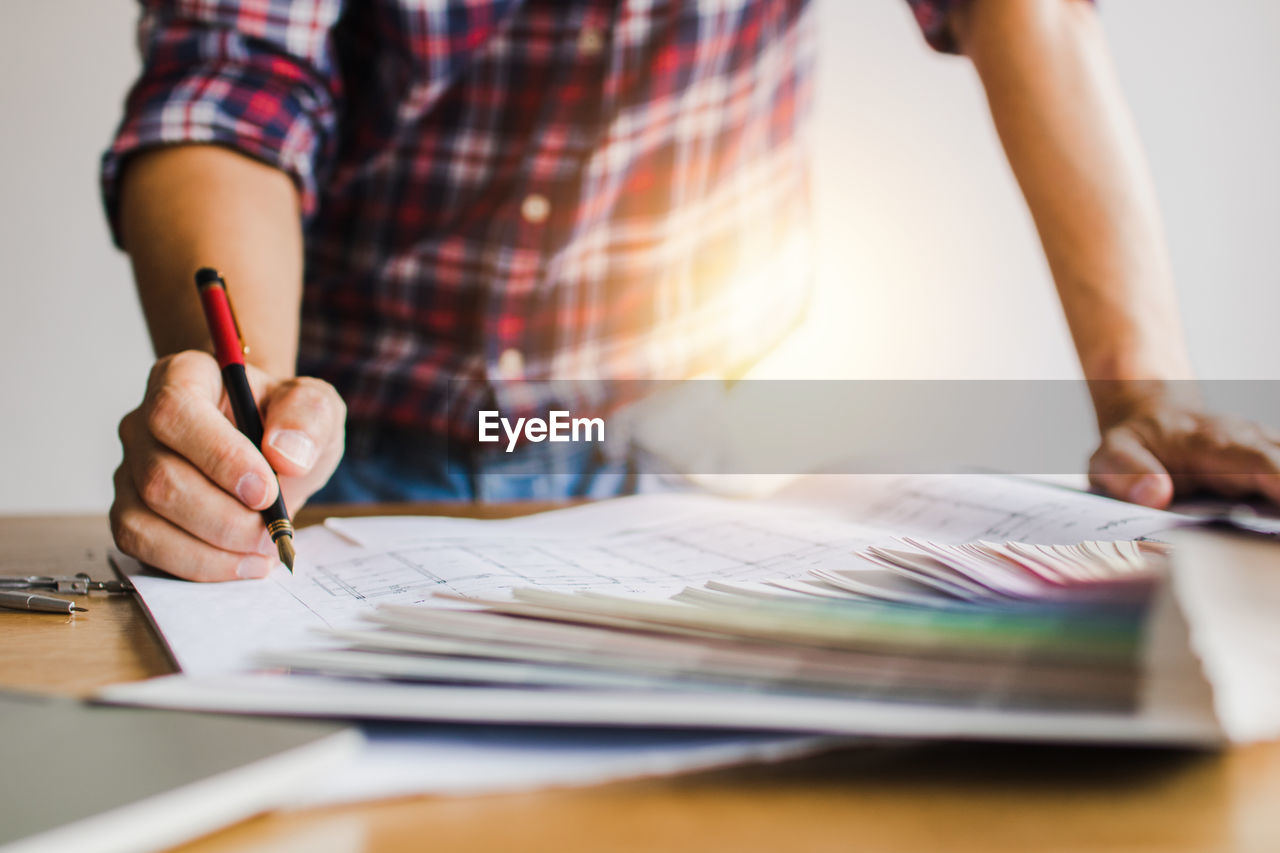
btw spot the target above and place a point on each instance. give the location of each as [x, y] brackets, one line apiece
[510, 190]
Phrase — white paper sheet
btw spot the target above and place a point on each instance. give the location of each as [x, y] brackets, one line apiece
[968, 507]
[1189, 720]
[653, 546]
[406, 759]
[650, 545]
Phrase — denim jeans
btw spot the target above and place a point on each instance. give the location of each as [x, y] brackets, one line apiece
[398, 466]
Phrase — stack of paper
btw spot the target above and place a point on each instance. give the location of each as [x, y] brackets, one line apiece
[988, 625]
[962, 606]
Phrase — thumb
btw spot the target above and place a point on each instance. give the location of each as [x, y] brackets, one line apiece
[302, 418]
[1125, 468]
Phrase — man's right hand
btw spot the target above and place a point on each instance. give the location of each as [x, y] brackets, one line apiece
[188, 493]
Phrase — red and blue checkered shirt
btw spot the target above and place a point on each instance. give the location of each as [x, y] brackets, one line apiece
[510, 189]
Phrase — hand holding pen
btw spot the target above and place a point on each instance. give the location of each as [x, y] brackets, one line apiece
[191, 486]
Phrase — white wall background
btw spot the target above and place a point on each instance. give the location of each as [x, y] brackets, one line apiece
[930, 265]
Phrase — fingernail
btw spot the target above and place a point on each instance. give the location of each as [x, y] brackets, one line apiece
[253, 567]
[1147, 491]
[251, 489]
[266, 545]
[294, 445]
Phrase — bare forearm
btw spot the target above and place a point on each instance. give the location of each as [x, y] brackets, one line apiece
[190, 485]
[1073, 147]
[199, 205]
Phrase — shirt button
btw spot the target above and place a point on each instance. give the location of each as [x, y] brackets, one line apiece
[511, 364]
[535, 208]
[590, 41]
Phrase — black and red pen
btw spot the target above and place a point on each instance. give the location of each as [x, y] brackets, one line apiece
[229, 349]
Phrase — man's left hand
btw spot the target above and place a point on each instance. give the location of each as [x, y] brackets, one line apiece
[1164, 448]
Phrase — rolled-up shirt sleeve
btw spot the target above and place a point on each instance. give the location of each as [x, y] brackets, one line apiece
[257, 77]
[934, 18]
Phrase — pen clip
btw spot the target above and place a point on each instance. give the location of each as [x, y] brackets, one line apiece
[231, 306]
[207, 277]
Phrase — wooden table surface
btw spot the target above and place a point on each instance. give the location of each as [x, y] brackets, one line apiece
[886, 797]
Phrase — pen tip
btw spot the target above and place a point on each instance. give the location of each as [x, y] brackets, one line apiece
[78, 609]
[285, 546]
